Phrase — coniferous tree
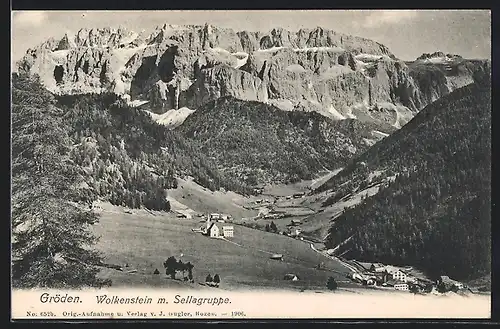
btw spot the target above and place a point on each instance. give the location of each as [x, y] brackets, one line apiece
[208, 279]
[217, 279]
[52, 241]
[171, 266]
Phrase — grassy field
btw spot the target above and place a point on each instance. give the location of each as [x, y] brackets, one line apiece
[144, 240]
[195, 197]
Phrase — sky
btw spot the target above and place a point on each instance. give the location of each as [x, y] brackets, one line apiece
[407, 33]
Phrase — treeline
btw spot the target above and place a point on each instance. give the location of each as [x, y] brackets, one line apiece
[258, 143]
[436, 213]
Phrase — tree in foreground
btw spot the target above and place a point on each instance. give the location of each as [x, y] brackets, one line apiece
[52, 245]
[190, 271]
[414, 288]
[171, 266]
[209, 280]
[216, 280]
[331, 284]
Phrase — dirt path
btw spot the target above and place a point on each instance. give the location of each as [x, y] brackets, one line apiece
[351, 268]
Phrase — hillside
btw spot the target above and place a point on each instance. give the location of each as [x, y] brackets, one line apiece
[126, 157]
[144, 240]
[257, 143]
[433, 206]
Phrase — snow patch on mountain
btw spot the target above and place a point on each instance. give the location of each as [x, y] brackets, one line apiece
[380, 134]
[336, 114]
[241, 58]
[316, 49]
[269, 50]
[282, 104]
[171, 118]
[137, 102]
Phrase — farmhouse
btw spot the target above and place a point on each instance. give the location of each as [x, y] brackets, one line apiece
[213, 231]
[399, 275]
[391, 269]
[228, 231]
[382, 277]
[291, 277]
[295, 222]
[450, 282]
[183, 215]
[401, 286]
[214, 216]
[299, 195]
[277, 257]
[377, 267]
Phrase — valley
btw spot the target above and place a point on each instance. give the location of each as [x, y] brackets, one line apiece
[143, 240]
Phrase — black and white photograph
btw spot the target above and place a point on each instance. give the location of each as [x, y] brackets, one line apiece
[333, 154]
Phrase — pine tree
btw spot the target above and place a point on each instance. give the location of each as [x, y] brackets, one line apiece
[273, 227]
[171, 266]
[217, 279]
[331, 284]
[52, 243]
[209, 279]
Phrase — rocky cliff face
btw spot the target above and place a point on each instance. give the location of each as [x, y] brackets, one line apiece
[338, 75]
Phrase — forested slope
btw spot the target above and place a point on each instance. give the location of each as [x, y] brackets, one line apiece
[436, 212]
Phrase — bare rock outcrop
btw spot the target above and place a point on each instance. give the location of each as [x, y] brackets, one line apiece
[223, 80]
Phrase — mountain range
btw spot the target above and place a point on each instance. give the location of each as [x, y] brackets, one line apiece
[337, 75]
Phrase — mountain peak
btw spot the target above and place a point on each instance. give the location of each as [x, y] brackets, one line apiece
[438, 54]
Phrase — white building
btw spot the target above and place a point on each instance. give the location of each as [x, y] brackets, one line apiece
[228, 231]
[213, 231]
[214, 216]
[401, 286]
[399, 276]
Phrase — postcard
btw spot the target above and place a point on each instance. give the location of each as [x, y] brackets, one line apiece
[270, 164]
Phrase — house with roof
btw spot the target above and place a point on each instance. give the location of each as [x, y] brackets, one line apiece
[277, 257]
[377, 267]
[215, 216]
[449, 283]
[400, 276]
[228, 231]
[213, 231]
[382, 277]
[403, 286]
[291, 277]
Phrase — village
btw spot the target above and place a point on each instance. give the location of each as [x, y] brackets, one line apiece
[401, 278]
[374, 275]
[216, 226]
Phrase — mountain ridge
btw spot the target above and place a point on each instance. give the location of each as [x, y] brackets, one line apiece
[186, 66]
